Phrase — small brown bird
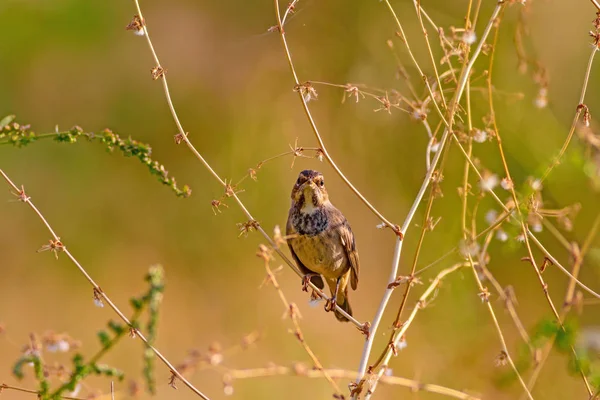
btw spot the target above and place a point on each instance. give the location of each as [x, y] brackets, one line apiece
[321, 241]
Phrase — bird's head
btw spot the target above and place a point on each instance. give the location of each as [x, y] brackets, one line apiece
[309, 191]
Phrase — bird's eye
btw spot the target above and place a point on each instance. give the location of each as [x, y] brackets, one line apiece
[299, 181]
[321, 183]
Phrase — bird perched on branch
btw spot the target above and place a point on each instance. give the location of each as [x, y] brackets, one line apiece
[321, 241]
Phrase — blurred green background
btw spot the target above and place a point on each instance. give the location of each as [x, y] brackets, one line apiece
[69, 62]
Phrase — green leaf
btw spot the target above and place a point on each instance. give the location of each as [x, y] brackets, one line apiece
[6, 120]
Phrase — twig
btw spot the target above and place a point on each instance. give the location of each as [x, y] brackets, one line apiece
[300, 370]
[292, 311]
[568, 301]
[581, 107]
[4, 386]
[453, 106]
[421, 303]
[183, 137]
[314, 125]
[98, 292]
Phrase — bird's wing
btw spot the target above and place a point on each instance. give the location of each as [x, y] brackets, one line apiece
[316, 280]
[349, 244]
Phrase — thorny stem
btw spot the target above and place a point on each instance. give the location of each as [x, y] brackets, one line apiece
[99, 292]
[184, 138]
[447, 132]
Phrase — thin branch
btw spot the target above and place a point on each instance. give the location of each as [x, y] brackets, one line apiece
[465, 73]
[298, 370]
[4, 386]
[183, 136]
[292, 311]
[372, 379]
[98, 292]
[316, 130]
[581, 107]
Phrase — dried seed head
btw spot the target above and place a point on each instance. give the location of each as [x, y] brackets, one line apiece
[136, 25]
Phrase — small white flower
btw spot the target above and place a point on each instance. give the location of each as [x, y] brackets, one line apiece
[61, 346]
[541, 101]
[491, 216]
[537, 227]
[139, 32]
[536, 185]
[520, 238]
[98, 302]
[216, 358]
[469, 37]
[489, 182]
[435, 147]
[506, 184]
[501, 235]
[381, 225]
[388, 372]
[402, 344]
[468, 248]
[228, 390]
[480, 136]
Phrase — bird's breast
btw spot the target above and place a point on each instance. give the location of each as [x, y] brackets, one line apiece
[322, 253]
[310, 223]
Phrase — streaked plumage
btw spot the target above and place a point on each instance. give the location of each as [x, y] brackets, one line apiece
[321, 240]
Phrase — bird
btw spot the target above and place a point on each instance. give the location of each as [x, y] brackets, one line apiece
[321, 241]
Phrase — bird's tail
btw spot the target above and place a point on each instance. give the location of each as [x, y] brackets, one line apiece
[342, 301]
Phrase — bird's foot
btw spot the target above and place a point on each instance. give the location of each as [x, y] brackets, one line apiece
[306, 280]
[330, 304]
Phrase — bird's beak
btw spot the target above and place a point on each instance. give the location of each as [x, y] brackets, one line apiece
[308, 190]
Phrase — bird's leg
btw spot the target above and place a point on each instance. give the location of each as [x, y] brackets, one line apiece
[306, 280]
[331, 303]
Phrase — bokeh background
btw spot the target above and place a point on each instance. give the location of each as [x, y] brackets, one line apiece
[70, 62]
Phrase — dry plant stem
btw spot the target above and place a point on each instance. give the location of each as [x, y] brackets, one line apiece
[292, 312]
[314, 125]
[414, 60]
[499, 330]
[231, 193]
[98, 291]
[529, 233]
[453, 106]
[421, 303]
[509, 303]
[465, 191]
[430, 51]
[524, 228]
[4, 386]
[568, 301]
[596, 4]
[415, 386]
[414, 264]
[578, 112]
